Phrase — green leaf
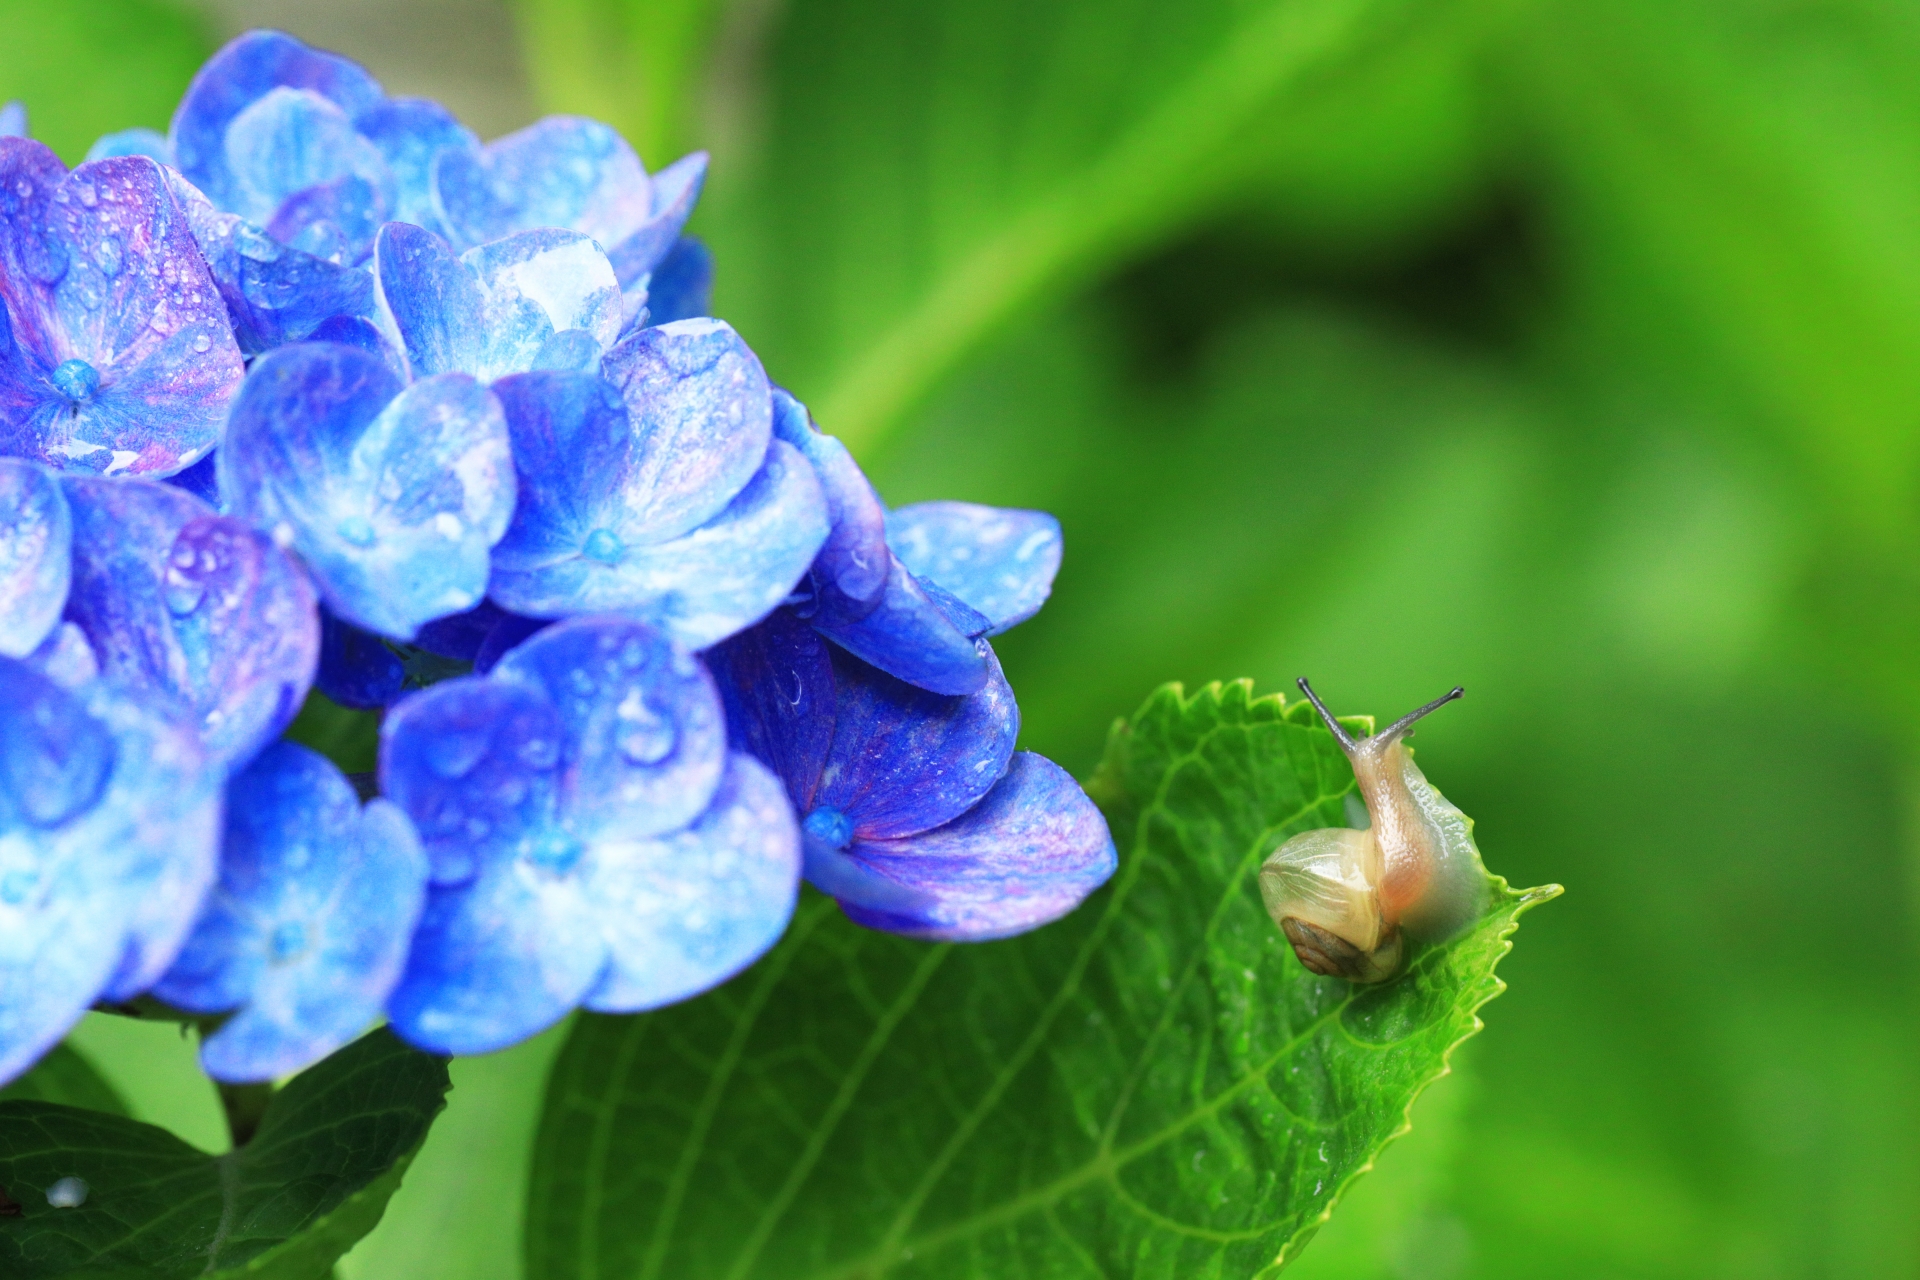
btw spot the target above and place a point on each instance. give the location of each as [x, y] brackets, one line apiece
[1152, 1087]
[351, 739]
[316, 1177]
[88, 67]
[927, 171]
[66, 1076]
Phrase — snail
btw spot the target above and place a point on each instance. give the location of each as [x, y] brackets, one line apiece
[1349, 900]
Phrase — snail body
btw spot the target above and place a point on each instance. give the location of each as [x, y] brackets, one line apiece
[1348, 901]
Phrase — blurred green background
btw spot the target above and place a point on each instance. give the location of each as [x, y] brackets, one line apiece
[1569, 352]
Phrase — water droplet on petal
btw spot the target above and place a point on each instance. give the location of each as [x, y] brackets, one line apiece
[454, 755]
[539, 753]
[108, 255]
[643, 736]
[202, 343]
[183, 594]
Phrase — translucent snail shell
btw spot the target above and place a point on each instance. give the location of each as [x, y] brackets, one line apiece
[1349, 900]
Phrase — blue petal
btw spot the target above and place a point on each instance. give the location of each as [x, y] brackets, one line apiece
[475, 763]
[411, 134]
[686, 911]
[1027, 854]
[13, 121]
[776, 681]
[563, 171]
[66, 657]
[36, 535]
[333, 220]
[428, 300]
[392, 500]
[676, 189]
[701, 588]
[908, 632]
[357, 669]
[508, 634]
[122, 356]
[459, 636]
[306, 932]
[536, 285]
[194, 614]
[854, 564]
[905, 760]
[202, 480]
[246, 70]
[681, 287]
[274, 294]
[108, 830]
[132, 142]
[645, 737]
[702, 414]
[1000, 560]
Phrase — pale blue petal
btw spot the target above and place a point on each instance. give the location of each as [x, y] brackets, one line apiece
[411, 134]
[717, 580]
[854, 563]
[908, 632]
[686, 911]
[244, 71]
[13, 121]
[776, 681]
[36, 536]
[196, 615]
[676, 189]
[563, 171]
[535, 285]
[1027, 854]
[429, 301]
[1000, 560]
[393, 503]
[702, 415]
[334, 221]
[905, 760]
[132, 142]
[644, 736]
[307, 930]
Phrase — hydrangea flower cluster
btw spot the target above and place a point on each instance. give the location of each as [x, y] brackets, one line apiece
[317, 391]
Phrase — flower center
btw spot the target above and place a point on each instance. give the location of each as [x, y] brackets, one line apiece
[77, 380]
[605, 546]
[289, 940]
[830, 826]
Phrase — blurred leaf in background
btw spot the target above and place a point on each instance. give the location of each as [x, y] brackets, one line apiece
[88, 67]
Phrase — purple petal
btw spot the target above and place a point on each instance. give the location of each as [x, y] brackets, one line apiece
[686, 911]
[702, 415]
[474, 763]
[717, 580]
[776, 681]
[562, 171]
[191, 613]
[676, 189]
[905, 760]
[908, 632]
[122, 357]
[1000, 560]
[306, 932]
[681, 287]
[411, 134]
[132, 142]
[429, 301]
[644, 736]
[357, 669]
[1027, 854]
[246, 70]
[36, 536]
[392, 500]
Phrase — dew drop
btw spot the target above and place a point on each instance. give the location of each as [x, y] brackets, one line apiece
[454, 755]
[202, 343]
[539, 753]
[109, 255]
[643, 735]
[68, 1193]
[183, 594]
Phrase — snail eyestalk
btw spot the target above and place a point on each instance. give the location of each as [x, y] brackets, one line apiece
[1349, 900]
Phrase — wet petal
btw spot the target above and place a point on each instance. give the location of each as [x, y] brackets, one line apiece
[686, 911]
[681, 287]
[776, 681]
[563, 171]
[194, 614]
[715, 581]
[247, 69]
[1027, 854]
[290, 140]
[702, 417]
[905, 760]
[429, 301]
[854, 563]
[335, 221]
[475, 763]
[538, 284]
[307, 930]
[357, 669]
[910, 632]
[1000, 560]
[676, 189]
[392, 500]
[644, 735]
[36, 536]
[411, 134]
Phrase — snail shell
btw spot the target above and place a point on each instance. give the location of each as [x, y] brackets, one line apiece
[1348, 900]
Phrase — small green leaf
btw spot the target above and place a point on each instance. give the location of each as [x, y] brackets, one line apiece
[1152, 1087]
[66, 1077]
[316, 1177]
[351, 739]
